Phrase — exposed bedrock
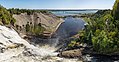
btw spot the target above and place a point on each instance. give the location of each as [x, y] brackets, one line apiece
[49, 21]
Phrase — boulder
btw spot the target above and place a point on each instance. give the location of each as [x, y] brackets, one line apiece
[71, 53]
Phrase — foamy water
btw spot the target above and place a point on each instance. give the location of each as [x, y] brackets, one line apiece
[28, 52]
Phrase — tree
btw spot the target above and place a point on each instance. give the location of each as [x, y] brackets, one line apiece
[5, 16]
[115, 11]
[27, 27]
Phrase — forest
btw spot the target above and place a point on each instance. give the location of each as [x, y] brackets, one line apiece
[101, 31]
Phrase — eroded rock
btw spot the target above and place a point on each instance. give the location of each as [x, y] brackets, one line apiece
[50, 22]
[71, 53]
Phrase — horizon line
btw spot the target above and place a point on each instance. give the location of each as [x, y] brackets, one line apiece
[63, 8]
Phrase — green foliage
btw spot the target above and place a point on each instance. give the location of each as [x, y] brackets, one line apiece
[108, 17]
[101, 32]
[27, 27]
[115, 11]
[5, 17]
[72, 44]
[28, 11]
[101, 42]
[35, 30]
[38, 30]
[13, 21]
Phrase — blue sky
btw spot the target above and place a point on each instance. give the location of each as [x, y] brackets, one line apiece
[58, 4]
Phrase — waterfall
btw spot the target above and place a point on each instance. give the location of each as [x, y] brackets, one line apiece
[13, 48]
[10, 41]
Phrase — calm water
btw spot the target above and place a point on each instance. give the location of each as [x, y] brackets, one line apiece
[70, 27]
[65, 13]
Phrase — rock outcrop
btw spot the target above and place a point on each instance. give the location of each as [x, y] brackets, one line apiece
[49, 21]
[71, 53]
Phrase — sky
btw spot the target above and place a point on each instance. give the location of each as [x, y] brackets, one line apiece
[58, 4]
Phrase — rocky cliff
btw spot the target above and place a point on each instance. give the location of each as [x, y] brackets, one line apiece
[49, 21]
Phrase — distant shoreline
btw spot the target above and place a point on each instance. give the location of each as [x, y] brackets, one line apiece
[61, 9]
[71, 9]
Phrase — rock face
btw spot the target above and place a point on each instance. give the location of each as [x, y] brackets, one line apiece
[71, 53]
[49, 21]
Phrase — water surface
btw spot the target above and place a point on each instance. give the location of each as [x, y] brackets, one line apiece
[73, 12]
[70, 27]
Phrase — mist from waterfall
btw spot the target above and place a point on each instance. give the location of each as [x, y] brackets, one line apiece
[38, 49]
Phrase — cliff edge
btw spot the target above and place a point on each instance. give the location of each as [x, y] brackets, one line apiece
[49, 21]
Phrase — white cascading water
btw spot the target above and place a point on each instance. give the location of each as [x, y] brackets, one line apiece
[9, 37]
[29, 53]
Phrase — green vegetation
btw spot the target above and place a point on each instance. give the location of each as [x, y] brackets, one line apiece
[115, 11]
[36, 30]
[101, 31]
[28, 11]
[5, 17]
[27, 27]
[72, 44]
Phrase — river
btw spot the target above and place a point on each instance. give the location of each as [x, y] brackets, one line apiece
[71, 26]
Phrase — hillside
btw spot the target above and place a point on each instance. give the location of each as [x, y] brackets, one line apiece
[48, 21]
[35, 22]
